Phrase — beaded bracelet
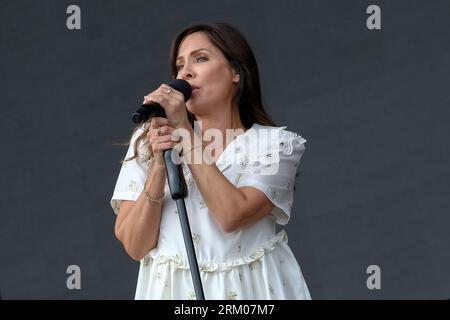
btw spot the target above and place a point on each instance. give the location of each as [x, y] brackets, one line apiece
[154, 200]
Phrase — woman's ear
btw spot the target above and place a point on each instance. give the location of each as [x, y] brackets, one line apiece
[236, 77]
[236, 71]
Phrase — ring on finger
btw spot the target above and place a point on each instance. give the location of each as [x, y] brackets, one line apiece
[158, 131]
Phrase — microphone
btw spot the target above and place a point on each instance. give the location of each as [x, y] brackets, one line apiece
[153, 109]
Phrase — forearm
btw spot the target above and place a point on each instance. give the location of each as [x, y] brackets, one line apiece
[224, 200]
[140, 229]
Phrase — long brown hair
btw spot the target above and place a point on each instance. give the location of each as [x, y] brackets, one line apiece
[237, 51]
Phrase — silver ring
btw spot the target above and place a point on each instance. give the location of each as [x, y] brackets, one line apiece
[169, 91]
[158, 131]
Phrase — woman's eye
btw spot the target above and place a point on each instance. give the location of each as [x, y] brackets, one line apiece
[198, 58]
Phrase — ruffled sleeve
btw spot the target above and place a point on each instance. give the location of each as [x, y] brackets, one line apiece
[132, 175]
[274, 169]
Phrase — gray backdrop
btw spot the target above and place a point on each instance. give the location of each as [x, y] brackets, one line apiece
[373, 105]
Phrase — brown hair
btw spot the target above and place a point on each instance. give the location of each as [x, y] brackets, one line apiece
[241, 58]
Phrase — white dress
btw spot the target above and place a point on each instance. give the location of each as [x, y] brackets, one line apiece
[251, 263]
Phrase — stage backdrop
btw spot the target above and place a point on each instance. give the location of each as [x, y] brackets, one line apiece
[373, 105]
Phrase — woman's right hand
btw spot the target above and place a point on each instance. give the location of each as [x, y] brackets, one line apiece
[163, 140]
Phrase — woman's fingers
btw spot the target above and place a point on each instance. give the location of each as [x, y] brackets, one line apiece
[161, 139]
[163, 91]
[158, 122]
[165, 146]
[160, 135]
[163, 130]
[172, 101]
[159, 147]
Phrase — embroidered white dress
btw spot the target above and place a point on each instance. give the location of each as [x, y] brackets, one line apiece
[251, 263]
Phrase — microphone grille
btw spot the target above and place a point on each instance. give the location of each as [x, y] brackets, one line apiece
[183, 86]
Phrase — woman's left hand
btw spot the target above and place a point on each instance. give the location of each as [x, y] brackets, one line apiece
[173, 103]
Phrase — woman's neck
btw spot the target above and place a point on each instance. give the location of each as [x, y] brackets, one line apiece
[222, 122]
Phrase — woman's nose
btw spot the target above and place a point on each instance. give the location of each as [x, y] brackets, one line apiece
[185, 74]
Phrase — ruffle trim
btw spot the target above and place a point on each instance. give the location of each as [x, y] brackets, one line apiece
[177, 261]
[287, 145]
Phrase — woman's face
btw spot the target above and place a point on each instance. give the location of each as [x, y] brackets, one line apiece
[208, 72]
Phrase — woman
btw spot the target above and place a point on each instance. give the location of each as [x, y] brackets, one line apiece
[237, 193]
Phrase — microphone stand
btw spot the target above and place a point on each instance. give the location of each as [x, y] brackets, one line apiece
[178, 191]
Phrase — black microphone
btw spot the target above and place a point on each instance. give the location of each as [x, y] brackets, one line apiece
[153, 109]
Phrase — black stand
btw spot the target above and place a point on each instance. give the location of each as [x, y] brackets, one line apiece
[178, 191]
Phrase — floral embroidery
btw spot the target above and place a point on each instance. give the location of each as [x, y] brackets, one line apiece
[242, 161]
[174, 261]
[132, 186]
[252, 265]
[146, 260]
[158, 275]
[271, 289]
[191, 295]
[232, 295]
[202, 204]
[196, 238]
[190, 182]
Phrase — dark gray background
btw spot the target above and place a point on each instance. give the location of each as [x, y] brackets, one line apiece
[373, 106]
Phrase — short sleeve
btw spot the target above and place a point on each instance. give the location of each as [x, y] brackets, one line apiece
[132, 176]
[274, 170]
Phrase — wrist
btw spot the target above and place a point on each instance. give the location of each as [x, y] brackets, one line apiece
[184, 125]
[153, 199]
[158, 166]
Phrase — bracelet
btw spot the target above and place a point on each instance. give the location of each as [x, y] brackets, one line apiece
[154, 200]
